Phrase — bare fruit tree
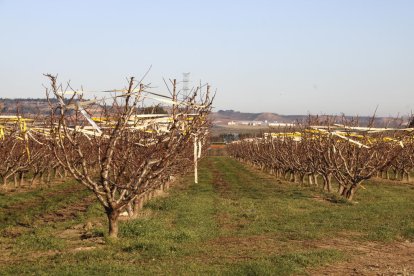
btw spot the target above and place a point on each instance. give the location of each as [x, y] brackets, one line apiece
[121, 159]
[355, 164]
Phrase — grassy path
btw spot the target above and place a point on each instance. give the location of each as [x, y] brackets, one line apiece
[27, 208]
[236, 221]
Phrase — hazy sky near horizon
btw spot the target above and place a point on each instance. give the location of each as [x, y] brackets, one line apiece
[288, 57]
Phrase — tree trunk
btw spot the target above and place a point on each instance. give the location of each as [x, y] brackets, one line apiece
[349, 193]
[303, 177]
[396, 175]
[33, 179]
[405, 175]
[113, 216]
[130, 210]
[292, 177]
[15, 180]
[49, 175]
[310, 180]
[315, 180]
[139, 203]
[59, 173]
[21, 175]
[280, 174]
[341, 189]
[327, 183]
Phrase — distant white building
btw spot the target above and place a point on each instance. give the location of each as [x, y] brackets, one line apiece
[247, 123]
[281, 124]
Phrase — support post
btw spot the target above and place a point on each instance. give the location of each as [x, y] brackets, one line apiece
[195, 160]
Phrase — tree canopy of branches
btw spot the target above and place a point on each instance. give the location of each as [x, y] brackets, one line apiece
[120, 160]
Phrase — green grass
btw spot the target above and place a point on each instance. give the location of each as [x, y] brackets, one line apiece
[285, 264]
[39, 241]
[24, 208]
[382, 212]
[235, 221]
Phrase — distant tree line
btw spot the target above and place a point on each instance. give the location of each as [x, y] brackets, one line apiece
[40, 106]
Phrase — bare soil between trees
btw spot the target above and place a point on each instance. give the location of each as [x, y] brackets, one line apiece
[67, 212]
[369, 258]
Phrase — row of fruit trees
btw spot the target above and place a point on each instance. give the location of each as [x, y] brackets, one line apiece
[345, 154]
[108, 144]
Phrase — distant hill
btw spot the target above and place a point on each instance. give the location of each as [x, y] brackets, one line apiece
[222, 117]
[225, 116]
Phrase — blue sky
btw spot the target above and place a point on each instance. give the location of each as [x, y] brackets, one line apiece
[288, 57]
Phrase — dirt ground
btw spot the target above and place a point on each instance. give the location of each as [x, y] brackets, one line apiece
[369, 258]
